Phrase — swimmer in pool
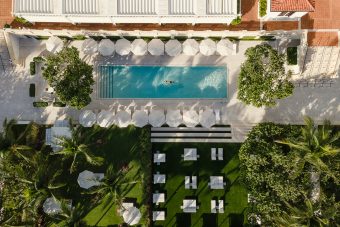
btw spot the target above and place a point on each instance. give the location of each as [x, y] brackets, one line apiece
[169, 81]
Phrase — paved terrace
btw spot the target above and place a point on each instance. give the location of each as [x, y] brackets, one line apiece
[319, 103]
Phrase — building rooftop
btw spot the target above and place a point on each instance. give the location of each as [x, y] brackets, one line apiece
[127, 11]
[292, 5]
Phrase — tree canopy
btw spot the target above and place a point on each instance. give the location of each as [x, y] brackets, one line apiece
[279, 186]
[70, 77]
[263, 79]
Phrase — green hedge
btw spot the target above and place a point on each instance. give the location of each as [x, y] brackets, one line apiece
[32, 90]
[40, 104]
[236, 21]
[292, 55]
[59, 104]
[32, 68]
[38, 59]
[263, 8]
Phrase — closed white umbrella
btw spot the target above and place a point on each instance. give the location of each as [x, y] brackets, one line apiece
[225, 47]
[190, 47]
[88, 179]
[51, 206]
[123, 118]
[207, 47]
[156, 118]
[89, 46]
[106, 47]
[54, 44]
[174, 118]
[173, 47]
[87, 118]
[123, 47]
[207, 118]
[190, 118]
[139, 47]
[106, 118]
[140, 118]
[132, 216]
[156, 47]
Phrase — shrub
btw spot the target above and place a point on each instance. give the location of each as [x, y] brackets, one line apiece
[38, 59]
[263, 8]
[32, 68]
[7, 26]
[32, 90]
[59, 104]
[292, 55]
[22, 20]
[78, 37]
[236, 21]
[40, 104]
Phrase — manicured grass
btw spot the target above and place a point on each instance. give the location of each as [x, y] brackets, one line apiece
[292, 55]
[175, 168]
[120, 147]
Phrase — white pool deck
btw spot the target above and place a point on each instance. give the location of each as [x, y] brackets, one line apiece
[319, 103]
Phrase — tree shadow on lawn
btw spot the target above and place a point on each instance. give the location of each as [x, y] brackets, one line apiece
[183, 220]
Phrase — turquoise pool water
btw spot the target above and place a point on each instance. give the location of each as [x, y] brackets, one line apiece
[168, 82]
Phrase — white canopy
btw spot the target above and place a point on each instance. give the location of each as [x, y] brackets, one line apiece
[106, 47]
[88, 179]
[190, 47]
[156, 47]
[139, 47]
[106, 118]
[174, 118]
[123, 47]
[207, 118]
[173, 47]
[190, 118]
[51, 206]
[87, 118]
[156, 118]
[89, 46]
[54, 44]
[140, 118]
[132, 216]
[207, 47]
[225, 47]
[123, 118]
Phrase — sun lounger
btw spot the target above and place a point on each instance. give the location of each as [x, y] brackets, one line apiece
[213, 206]
[187, 182]
[220, 206]
[218, 116]
[194, 182]
[220, 153]
[213, 154]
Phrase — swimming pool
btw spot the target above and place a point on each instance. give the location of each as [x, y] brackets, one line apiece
[167, 82]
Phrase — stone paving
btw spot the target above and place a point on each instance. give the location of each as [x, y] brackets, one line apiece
[317, 102]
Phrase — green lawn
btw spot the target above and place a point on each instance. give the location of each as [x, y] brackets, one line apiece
[175, 168]
[120, 147]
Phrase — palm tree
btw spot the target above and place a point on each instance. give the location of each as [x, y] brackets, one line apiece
[70, 216]
[313, 147]
[75, 147]
[309, 214]
[113, 186]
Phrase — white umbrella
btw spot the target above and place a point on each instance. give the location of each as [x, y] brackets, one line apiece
[87, 118]
[156, 47]
[106, 118]
[140, 118]
[89, 46]
[123, 118]
[139, 47]
[207, 118]
[132, 216]
[156, 118]
[224, 47]
[88, 179]
[106, 47]
[173, 47]
[207, 47]
[190, 47]
[174, 118]
[51, 206]
[190, 118]
[123, 47]
[54, 44]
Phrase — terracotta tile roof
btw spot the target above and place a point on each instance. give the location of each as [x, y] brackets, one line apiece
[292, 5]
